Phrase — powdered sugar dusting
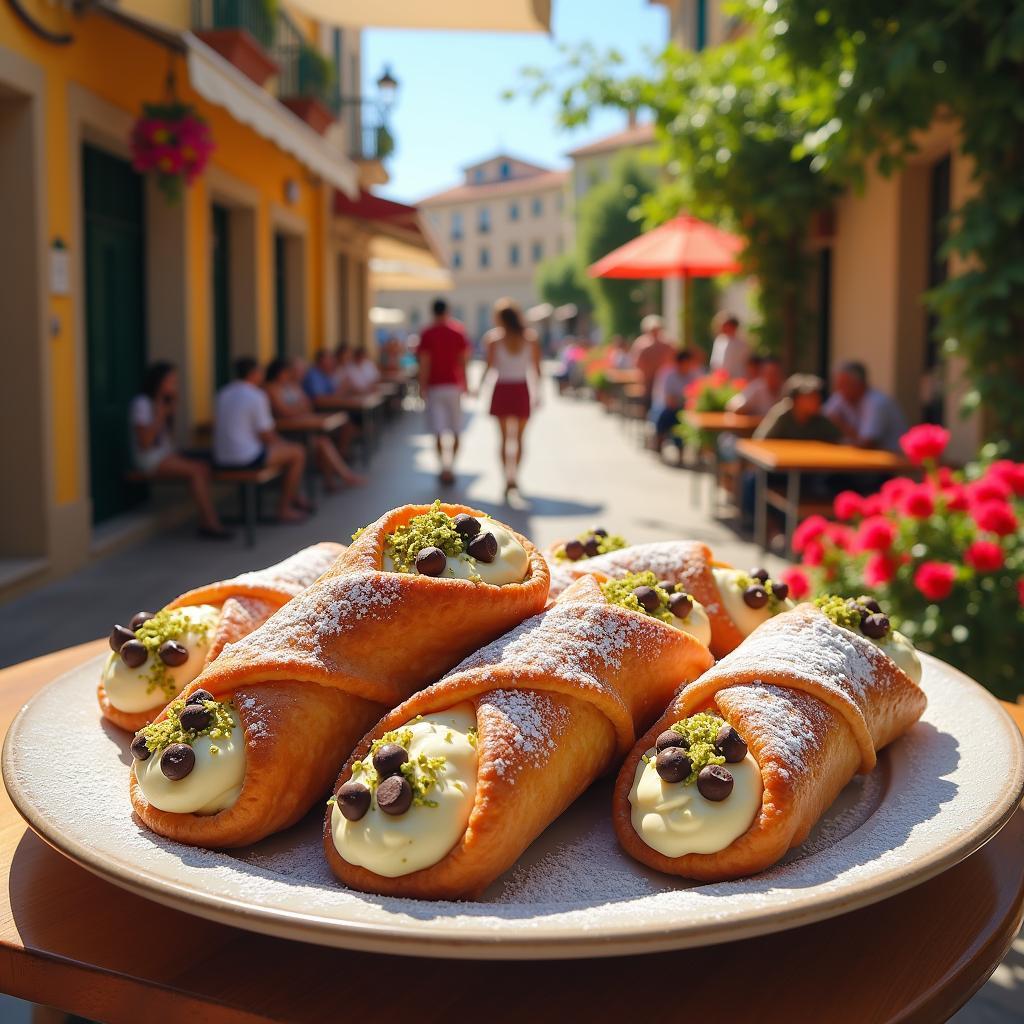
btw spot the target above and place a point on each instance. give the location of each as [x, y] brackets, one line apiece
[530, 724]
[680, 561]
[296, 572]
[942, 786]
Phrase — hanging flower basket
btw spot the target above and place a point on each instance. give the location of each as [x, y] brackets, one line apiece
[173, 142]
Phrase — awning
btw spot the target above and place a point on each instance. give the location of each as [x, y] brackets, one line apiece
[474, 15]
[397, 266]
[221, 83]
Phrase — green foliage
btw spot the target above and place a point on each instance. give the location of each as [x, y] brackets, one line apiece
[609, 216]
[561, 280]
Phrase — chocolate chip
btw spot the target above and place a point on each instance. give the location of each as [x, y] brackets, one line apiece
[574, 550]
[648, 598]
[483, 548]
[119, 636]
[780, 591]
[591, 547]
[139, 619]
[177, 761]
[876, 626]
[730, 744]
[714, 782]
[389, 759]
[139, 749]
[755, 596]
[871, 604]
[353, 800]
[199, 697]
[669, 738]
[134, 653]
[667, 585]
[195, 718]
[172, 653]
[394, 795]
[431, 562]
[599, 531]
[467, 527]
[759, 574]
[680, 605]
[673, 764]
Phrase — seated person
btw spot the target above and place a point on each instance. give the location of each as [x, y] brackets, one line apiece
[798, 417]
[319, 379]
[288, 399]
[342, 363]
[362, 373]
[866, 417]
[151, 415]
[668, 394]
[244, 437]
[762, 391]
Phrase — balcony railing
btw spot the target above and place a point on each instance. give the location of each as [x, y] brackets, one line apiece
[366, 127]
[257, 17]
[305, 71]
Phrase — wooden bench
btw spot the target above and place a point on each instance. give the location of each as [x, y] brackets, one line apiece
[776, 498]
[249, 483]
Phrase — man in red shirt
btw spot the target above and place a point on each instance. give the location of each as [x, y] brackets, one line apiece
[443, 354]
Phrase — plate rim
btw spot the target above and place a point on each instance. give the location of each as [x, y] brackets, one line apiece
[448, 940]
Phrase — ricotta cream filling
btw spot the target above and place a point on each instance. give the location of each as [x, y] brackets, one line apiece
[509, 566]
[697, 623]
[393, 845]
[746, 619]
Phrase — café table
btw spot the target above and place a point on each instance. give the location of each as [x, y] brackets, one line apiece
[617, 381]
[71, 940]
[304, 426]
[716, 424]
[368, 408]
[794, 459]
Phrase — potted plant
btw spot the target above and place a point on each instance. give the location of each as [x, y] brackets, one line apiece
[315, 81]
[243, 32]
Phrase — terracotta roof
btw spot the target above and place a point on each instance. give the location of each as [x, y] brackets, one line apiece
[487, 190]
[638, 135]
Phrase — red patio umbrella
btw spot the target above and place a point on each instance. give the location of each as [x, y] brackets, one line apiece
[682, 248]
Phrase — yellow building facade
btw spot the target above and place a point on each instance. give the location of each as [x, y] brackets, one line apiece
[101, 274]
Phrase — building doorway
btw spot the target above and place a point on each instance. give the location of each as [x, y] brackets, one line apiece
[220, 265]
[289, 294]
[280, 295]
[115, 322]
[933, 397]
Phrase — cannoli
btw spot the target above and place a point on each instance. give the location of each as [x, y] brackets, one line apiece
[157, 654]
[584, 546]
[277, 712]
[736, 602]
[447, 790]
[749, 756]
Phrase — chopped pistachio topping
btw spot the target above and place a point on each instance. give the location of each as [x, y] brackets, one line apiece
[842, 611]
[164, 733]
[167, 624]
[430, 529]
[700, 731]
[620, 592]
[774, 604]
[472, 737]
[611, 542]
[421, 772]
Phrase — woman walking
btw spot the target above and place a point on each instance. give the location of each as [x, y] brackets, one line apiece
[512, 349]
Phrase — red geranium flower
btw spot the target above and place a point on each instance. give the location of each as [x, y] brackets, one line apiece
[847, 505]
[874, 505]
[918, 503]
[893, 491]
[924, 443]
[879, 570]
[984, 556]
[935, 580]
[988, 488]
[843, 537]
[876, 534]
[955, 497]
[995, 517]
[810, 529]
[1009, 473]
[814, 553]
[798, 582]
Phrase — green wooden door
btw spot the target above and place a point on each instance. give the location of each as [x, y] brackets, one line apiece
[115, 322]
[280, 295]
[221, 287]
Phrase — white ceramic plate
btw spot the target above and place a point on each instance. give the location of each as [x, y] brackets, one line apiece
[937, 795]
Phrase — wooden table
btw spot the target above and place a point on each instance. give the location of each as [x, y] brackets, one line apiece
[303, 428]
[794, 458]
[739, 423]
[368, 406]
[71, 940]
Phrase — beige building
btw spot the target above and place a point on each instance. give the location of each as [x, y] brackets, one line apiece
[492, 231]
[592, 162]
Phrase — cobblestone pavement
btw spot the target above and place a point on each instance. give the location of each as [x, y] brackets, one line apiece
[582, 467]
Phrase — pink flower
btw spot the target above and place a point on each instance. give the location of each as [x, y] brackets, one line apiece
[955, 497]
[798, 582]
[988, 488]
[873, 505]
[876, 534]
[995, 517]
[893, 491]
[924, 443]
[935, 580]
[879, 570]
[1009, 473]
[814, 553]
[843, 537]
[917, 503]
[847, 505]
[810, 529]
[984, 556]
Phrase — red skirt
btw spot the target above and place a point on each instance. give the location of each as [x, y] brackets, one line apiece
[511, 399]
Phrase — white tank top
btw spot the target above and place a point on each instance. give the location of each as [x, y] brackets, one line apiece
[511, 366]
